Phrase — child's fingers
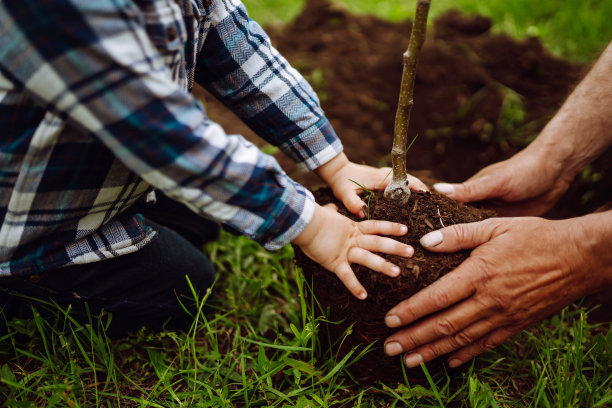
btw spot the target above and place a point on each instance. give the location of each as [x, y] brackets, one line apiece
[374, 262]
[385, 245]
[353, 203]
[382, 227]
[348, 278]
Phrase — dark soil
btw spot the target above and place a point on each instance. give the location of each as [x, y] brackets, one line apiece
[479, 98]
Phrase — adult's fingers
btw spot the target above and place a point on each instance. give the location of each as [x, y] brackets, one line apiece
[486, 343]
[374, 262]
[461, 236]
[446, 291]
[475, 189]
[459, 340]
[453, 327]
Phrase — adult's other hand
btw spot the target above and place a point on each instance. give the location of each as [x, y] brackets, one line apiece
[521, 270]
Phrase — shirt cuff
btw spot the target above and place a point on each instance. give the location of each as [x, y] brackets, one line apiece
[302, 203]
[314, 147]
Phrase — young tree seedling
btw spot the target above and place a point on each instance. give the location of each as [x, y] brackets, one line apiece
[398, 188]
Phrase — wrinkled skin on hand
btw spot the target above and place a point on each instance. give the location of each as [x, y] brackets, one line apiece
[529, 183]
[520, 271]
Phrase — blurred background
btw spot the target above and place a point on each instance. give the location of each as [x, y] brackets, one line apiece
[575, 29]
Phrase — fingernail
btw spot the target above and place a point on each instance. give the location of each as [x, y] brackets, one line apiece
[403, 229]
[444, 188]
[361, 214]
[432, 239]
[409, 251]
[393, 348]
[362, 295]
[395, 270]
[392, 321]
[413, 360]
[453, 363]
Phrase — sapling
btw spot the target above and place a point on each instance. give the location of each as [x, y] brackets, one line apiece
[398, 189]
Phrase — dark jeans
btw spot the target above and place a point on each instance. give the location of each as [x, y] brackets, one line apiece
[139, 289]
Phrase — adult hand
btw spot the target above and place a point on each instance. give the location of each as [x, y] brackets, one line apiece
[529, 183]
[521, 270]
[334, 241]
[346, 180]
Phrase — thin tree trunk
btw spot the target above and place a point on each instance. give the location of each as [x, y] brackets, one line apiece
[398, 187]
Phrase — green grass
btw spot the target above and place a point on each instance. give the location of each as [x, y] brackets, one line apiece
[575, 29]
[260, 348]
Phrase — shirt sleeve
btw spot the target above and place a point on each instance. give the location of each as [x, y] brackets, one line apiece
[93, 64]
[239, 66]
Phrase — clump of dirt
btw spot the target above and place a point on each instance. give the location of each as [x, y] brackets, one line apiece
[425, 212]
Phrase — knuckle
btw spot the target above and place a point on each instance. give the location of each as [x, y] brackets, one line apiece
[482, 270]
[461, 339]
[487, 343]
[443, 327]
[468, 188]
[439, 298]
[460, 233]
[499, 301]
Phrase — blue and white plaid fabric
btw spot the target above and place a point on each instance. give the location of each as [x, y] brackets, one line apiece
[95, 109]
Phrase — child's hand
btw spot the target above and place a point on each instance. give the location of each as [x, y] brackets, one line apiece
[335, 242]
[338, 173]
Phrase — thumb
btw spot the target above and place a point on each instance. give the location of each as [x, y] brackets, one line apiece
[474, 189]
[352, 202]
[459, 236]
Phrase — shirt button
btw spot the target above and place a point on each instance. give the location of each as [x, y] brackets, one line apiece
[172, 34]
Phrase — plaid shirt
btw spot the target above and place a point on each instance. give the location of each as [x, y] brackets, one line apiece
[95, 109]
